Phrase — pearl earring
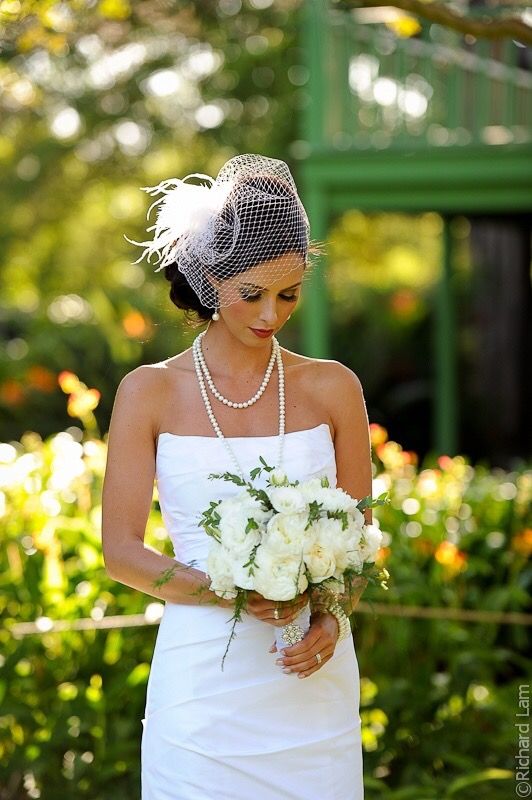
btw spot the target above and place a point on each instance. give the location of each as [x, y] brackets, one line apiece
[215, 316]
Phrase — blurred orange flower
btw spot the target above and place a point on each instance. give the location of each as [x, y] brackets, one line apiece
[450, 557]
[404, 303]
[41, 378]
[423, 545]
[445, 462]
[135, 324]
[12, 392]
[409, 457]
[522, 542]
[383, 554]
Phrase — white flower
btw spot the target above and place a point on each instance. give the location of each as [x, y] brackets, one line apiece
[286, 499]
[241, 575]
[372, 542]
[331, 499]
[319, 559]
[235, 512]
[278, 477]
[219, 569]
[285, 534]
[309, 489]
[279, 576]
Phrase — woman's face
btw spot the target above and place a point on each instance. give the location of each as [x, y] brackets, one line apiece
[270, 292]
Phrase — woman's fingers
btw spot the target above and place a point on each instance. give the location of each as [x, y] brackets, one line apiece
[315, 666]
[303, 661]
[265, 610]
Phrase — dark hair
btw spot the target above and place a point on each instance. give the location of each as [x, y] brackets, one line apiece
[267, 229]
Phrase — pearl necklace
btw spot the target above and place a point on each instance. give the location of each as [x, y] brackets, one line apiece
[214, 390]
[214, 422]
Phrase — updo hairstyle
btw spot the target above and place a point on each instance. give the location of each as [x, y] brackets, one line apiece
[267, 230]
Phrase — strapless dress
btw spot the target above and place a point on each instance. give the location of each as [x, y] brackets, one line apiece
[249, 732]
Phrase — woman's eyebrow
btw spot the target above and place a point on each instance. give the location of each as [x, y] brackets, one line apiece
[261, 288]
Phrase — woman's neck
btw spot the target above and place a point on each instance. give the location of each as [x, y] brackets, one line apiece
[228, 357]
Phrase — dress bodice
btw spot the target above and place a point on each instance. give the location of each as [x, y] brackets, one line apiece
[184, 463]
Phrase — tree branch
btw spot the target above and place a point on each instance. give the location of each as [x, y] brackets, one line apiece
[438, 12]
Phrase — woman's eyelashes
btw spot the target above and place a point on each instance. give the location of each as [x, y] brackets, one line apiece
[251, 298]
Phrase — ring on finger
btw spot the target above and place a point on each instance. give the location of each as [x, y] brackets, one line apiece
[318, 658]
[276, 613]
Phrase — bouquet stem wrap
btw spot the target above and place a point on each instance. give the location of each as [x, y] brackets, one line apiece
[295, 631]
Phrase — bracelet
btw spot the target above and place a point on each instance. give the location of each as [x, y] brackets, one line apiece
[344, 626]
[331, 605]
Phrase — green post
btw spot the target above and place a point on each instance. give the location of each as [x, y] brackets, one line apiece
[445, 400]
[315, 306]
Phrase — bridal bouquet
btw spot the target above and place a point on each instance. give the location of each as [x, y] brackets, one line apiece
[285, 538]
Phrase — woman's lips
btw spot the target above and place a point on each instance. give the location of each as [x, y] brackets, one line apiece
[261, 333]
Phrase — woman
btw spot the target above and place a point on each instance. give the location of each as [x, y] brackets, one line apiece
[238, 246]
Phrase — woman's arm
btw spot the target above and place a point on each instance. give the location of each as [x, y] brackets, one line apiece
[127, 498]
[352, 446]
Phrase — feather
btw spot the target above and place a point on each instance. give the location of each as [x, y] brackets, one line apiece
[184, 209]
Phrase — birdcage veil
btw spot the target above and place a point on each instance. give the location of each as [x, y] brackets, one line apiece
[216, 230]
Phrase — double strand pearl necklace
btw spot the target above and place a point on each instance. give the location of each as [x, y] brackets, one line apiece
[203, 389]
[214, 390]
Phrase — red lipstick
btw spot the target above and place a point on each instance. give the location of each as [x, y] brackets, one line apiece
[263, 334]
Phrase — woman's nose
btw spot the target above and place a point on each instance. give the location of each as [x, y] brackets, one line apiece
[268, 313]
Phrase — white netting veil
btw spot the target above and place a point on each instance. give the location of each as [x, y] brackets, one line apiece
[250, 216]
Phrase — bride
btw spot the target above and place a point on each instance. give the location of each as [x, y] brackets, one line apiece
[272, 725]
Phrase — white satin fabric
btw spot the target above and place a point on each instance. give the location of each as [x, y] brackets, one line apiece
[249, 732]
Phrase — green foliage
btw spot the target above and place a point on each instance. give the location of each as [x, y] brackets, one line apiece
[97, 100]
[437, 696]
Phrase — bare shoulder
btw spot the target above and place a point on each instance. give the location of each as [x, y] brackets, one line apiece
[332, 375]
[138, 394]
[143, 381]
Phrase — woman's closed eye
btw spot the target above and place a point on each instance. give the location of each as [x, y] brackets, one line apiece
[252, 297]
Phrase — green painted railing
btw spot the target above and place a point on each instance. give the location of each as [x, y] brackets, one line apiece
[380, 90]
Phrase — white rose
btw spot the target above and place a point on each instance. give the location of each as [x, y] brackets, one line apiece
[319, 559]
[333, 539]
[285, 534]
[338, 500]
[241, 575]
[372, 541]
[309, 489]
[235, 513]
[286, 499]
[278, 576]
[219, 569]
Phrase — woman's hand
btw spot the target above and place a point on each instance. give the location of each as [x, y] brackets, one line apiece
[263, 609]
[321, 639]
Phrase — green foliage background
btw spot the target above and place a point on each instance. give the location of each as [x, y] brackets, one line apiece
[101, 98]
[437, 696]
[84, 123]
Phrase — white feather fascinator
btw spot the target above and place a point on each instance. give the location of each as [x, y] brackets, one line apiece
[216, 230]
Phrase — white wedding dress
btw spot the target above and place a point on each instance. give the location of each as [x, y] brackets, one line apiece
[249, 732]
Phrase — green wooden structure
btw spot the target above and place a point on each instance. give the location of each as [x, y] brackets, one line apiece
[410, 124]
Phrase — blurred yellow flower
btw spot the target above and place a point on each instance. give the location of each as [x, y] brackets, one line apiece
[82, 402]
[378, 434]
[68, 381]
[404, 26]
